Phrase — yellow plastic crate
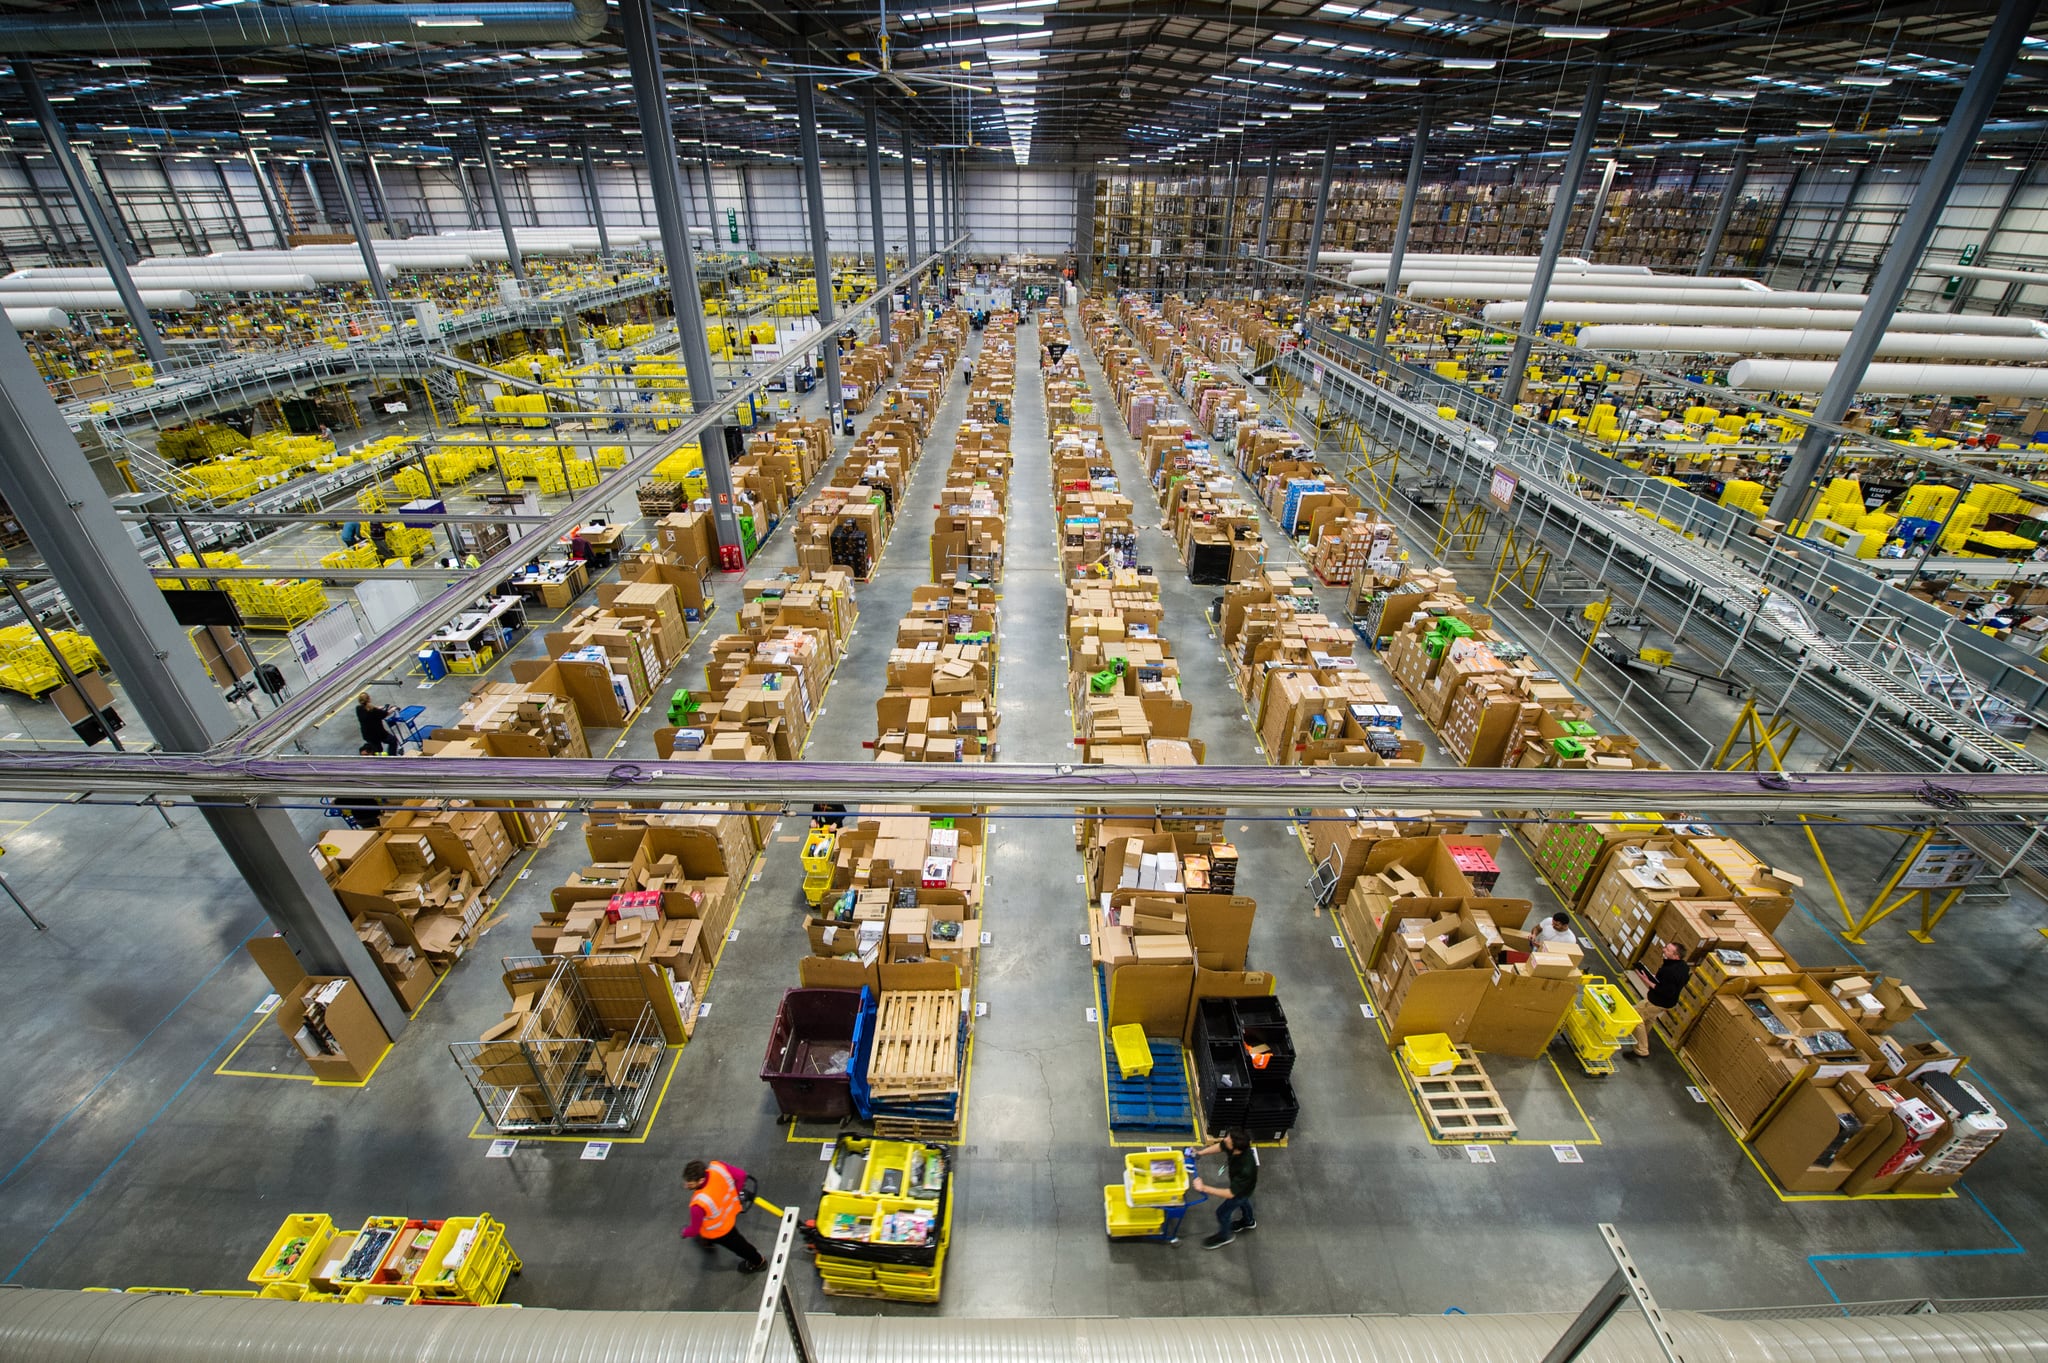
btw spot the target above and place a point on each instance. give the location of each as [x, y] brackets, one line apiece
[1123, 1219]
[486, 1264]
[280, 1264]
[1143, 1188]
[1133, 1051]
[1603, 1012]
[1429, 1053]
[283, 1292]
[372, 1295]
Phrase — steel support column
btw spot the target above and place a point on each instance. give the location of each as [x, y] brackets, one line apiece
[710, 191]
[821, 247]
[1553, 238]
[1266, 218]
[1764, 261]
[1315, 233]
[277, 224]
[1821, 266]
[1402, 226]
[1916, 229]
[468, 192]
[490, 158]
[1731, 193]
[354, 210]
[910, 219]
[1600, 206]
[931, 211]
[51, 487]
[102, 232]
[874, 141]
[747, 207]
[665, 185]
[604, 240]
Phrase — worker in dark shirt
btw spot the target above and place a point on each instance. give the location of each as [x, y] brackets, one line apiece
[374, 721]
[1665, 987]
[1234, 1212]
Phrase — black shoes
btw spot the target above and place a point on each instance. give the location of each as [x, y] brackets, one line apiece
[758, 1266]
[1216, 1241]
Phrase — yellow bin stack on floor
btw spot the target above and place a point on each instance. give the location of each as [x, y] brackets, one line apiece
[855, 1235]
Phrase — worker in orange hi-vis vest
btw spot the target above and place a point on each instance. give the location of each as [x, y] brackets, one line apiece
[715, 1210]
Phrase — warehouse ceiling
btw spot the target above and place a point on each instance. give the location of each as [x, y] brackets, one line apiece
[1152, 84]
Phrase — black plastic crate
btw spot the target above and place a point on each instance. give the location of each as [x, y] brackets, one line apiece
[1260, 1012]
[1279, 1065]
[1215, 1020]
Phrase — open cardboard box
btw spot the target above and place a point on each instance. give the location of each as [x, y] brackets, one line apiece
[359, 1038]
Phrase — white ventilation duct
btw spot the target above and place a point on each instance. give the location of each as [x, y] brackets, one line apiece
[38, 319]
[1893, 380]
[1918, 345]
[1747, 294]
[95, 300]
[201, 278]
[1818, 319]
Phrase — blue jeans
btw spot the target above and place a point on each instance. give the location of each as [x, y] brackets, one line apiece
[1233, 1214]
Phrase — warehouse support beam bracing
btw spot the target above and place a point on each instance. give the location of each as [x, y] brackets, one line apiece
[2013, 191]
[103, 239]
[821, 248]
[497, 182]
[710, 194]
[664, 180]
[1731, 194]
[747, 207]
[467, 190]
[1315, 235]
[349, 204]
[931, 207]
[1402, 226]
[1770, 740]
[1594, 220]
[1266, 215]
[1624, 1285]
[277, 225]
[51, 487]
[1820, 267]
[1899, 890]
[1553, 237]
[1916, 230]
[910, 217]
[881, 244]
[590, 194]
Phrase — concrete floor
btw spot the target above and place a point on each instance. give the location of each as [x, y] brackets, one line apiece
[126, 1159]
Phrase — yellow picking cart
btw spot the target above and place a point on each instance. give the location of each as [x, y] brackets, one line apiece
[885, 1220]
[1600, 1023]
[1157, 1190]
[819, 847]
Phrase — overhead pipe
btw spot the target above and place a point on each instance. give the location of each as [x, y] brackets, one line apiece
[101, 1327]
[1636, 291]
[1893, 380]
[1785, 341]
[1985, 272]
[38, 319]
[1746, 315]
[304, 25]
[97, 300]
[196, 281]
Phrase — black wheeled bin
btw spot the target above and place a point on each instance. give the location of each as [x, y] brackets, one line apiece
[810, 1050]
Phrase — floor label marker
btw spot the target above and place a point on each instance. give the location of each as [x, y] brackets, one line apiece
[1092, 1016]
[1366, 1009]
[501, 1149]
[1697, 1096]
[1567, 1154]
[1084, 939]
[596, 1149]
[1480, 1154]
[269, 1005]
[1336, 941]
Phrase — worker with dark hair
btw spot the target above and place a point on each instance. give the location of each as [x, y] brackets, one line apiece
[1669, 981]
[374, 721]
[715, 1210]
[1234, 1212]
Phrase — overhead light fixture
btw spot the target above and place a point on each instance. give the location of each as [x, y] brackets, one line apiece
[362, 89]
[557, 54]
[264, 80]
[1814, 123]
[1874, 82]
[452, 21]
[1307, 108]
[105, 63]
[169, 108]
[506, 109]
[1397, 80]
[1469, 63]
[1640, 106]
[1919, 118]
[1573, 33]
[442, 99]
[1734, 131]
[728, 99]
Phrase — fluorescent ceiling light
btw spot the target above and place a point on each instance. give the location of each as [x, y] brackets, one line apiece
[556, 54]
[506, 109]
[105, 62]
[1307, 108]
[362, 89]
[169, 108]
[728, 99]
[1469, 63]
[1814, 123]
[759, 108]
[1640, 106]
[1572, 32]
[452, 21]
[1920, 118]
[264, 80]
[1874, 82]
[1397, 80]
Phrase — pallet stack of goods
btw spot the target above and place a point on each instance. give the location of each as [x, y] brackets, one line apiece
[765, 681]
[940, 701]
[1244, 1066]
[1215, 529]
[1802, 1061]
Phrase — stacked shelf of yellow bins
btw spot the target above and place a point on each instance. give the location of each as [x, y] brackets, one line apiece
[885, 1220]
[390, 1260]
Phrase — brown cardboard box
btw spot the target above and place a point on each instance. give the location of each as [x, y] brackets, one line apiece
[1809, 1121]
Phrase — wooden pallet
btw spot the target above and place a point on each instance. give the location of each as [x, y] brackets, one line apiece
[1463, 1105]
[904, 1129]
[917, 1044]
